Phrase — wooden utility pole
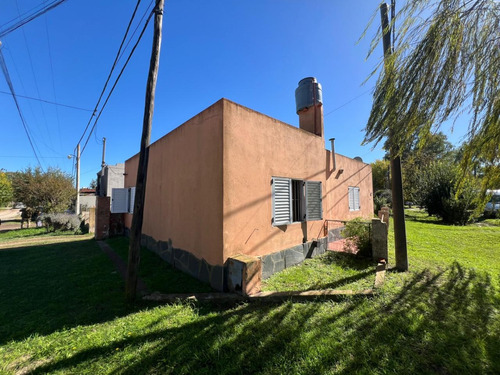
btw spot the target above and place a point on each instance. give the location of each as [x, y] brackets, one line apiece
[77, 208]
[134, 254]
[398, 211]
[103, 164]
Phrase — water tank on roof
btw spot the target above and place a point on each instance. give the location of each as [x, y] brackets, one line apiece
[308, 93]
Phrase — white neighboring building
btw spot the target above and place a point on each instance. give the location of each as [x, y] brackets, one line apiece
[110, 178]
[87, 199]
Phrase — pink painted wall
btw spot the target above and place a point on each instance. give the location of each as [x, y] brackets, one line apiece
[184, 186]
[256, 148]
[209, 183]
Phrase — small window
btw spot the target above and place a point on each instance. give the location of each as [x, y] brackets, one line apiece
[295, 201]
[354, 204]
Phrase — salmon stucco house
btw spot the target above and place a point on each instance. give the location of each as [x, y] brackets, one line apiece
[233, 191]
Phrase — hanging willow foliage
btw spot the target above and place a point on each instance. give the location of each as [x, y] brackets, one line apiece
[445, 64]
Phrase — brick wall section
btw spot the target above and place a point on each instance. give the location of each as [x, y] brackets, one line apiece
[116, 225]
[102, 218]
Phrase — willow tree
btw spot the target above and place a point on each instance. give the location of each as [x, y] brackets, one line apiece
[445, 63]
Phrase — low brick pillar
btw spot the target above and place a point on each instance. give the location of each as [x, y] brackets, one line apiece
[379, 240]
[102, 218]
[244, 274]
[92, 220]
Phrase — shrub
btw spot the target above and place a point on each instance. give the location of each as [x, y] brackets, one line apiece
[381, 198]
[61, 222]
[357, 234]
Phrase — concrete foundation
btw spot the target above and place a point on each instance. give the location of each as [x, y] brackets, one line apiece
[244, 274]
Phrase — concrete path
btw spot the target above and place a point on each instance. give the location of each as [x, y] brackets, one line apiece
[121, 267]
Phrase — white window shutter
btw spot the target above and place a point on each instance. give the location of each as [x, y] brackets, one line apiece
[357, 205]
[314, 206]
[354, 202]
[282, 201]
[131, 200]
[119, 201]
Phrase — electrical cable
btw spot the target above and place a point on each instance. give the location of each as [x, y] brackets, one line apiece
[46, 132]
[49, 49]
[31, 157]
[30, 17]
[11, 87]
[137, 27]
[348, 102]
[47, 101]
[116, 81]
[111, 72]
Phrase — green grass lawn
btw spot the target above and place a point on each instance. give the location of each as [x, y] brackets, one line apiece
[63, 312]
[21, 233]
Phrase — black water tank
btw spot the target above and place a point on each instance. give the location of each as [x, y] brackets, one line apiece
[308, 93]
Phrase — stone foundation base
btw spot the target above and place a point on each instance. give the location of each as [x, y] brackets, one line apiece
[186, 262]
[280, 260]
[238, 274]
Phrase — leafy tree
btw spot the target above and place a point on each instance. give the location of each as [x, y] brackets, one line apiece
[49, 192]
[420, 154]
[445, 62]
[380, 175]
[93, 184]
[5, 190]
[439, 196]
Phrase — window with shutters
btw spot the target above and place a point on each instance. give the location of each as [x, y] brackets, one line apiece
[295, 201]
[354, 202]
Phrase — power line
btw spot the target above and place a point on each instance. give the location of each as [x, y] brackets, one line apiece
[30, 17]
[31, 157]
[137, 27]
[111, 72]
[48, 101]
[11, 87]
[348, 102]
[49, 49]
[34, 77]
[117, 79]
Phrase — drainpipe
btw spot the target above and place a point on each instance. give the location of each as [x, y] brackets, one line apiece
[332, 140]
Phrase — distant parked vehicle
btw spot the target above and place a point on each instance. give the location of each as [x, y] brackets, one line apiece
[494, 204]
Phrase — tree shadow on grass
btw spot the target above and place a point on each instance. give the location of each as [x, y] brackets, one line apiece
[445, 322]
[44, 288]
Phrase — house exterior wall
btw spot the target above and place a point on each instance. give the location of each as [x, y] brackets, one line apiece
[184, 188]
[257, 148]
[209, 185]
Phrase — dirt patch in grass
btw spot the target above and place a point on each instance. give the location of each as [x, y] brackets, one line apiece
[24, 365]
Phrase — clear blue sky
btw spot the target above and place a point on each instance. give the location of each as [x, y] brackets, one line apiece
[251, 52]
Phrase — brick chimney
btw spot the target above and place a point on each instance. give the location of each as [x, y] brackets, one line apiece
[309, 102]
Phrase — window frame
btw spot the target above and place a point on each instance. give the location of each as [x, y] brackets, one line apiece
[295, 201]
[353, 198]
